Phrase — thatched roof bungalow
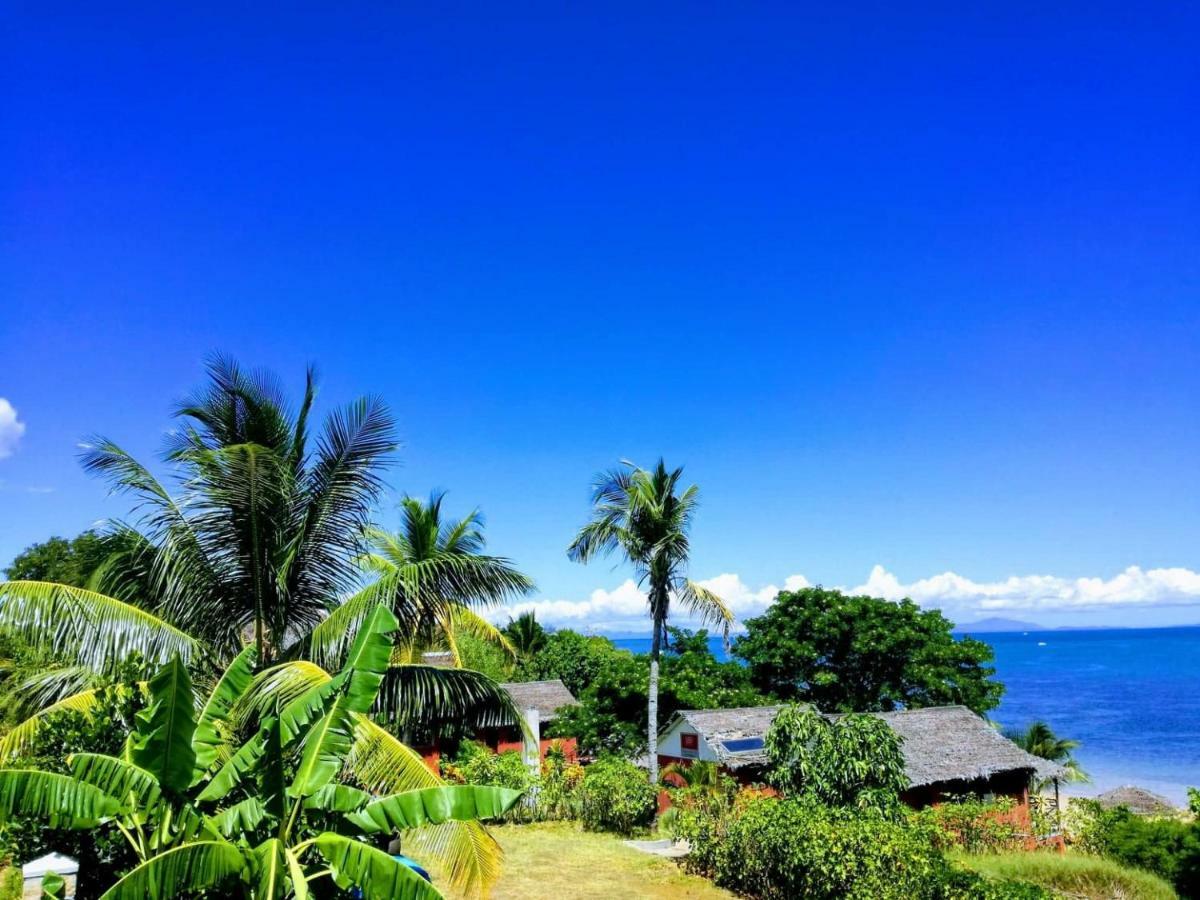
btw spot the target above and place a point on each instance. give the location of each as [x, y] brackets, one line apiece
[948, 750]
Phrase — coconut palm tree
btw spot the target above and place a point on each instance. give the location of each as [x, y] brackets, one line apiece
[643, 515]
[526, 634]
[1039, 740]
[434, 571]
[258, 543]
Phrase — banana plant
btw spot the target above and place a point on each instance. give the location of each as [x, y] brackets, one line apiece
[262, 819]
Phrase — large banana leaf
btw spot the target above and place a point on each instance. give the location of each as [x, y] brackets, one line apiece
[239, 766]
[433, 806]
[133, 787]
[60, 801]
[183, 870]
[88, 628]
[209, 735]
[165, 728]
[378, 875]
[278, 872]
[328, 742]
[338, 798]
[469, 855]
[241, 818]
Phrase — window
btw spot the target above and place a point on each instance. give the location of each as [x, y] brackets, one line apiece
[689, 745]
[742, 745]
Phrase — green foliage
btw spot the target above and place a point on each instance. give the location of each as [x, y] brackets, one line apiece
[1071, 874]
[616, 796]
[485, 657]
[1167, 847]
[854, 760]
[63, 561]
[864, 654]
[526, 634]
[189, 837]
[1041, 741]
[476, 764]
[975, 826]
[778, 849]
[611, 686]
[102, 853]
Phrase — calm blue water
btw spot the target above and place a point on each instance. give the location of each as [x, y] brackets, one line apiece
[1131, 696]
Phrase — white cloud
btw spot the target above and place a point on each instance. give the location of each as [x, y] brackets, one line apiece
[11, 429]
[623, 609]
[1134, 587]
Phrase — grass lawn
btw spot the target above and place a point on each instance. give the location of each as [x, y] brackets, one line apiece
[556, 860]
[1073, 874]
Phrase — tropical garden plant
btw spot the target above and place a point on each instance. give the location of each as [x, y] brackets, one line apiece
[261, 818]
[1039, 740]
[850, 761]
[259, 542]
[645, 516]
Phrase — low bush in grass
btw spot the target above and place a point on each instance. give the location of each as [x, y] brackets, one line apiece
[1073, 874]
[552, 791]
[616, 796]
[773, 849]
[1168, 847]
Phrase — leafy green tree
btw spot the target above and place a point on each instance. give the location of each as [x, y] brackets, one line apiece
[1041, 741]
[526, 635]
[611, 684]
[850, 761]
[864, 654]
[61, 560]
[643, 515]
[203, 814]
[695, 679]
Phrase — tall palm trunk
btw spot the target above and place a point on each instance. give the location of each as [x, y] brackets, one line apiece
[652, 714]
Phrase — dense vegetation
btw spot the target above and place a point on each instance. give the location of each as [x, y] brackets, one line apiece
[260, 538]
[864, 654]
[261, 818]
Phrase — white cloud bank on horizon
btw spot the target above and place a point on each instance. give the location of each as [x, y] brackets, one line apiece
[623, 609]
[11, 429]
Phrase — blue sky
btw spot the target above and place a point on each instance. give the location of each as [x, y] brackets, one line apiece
[916, 290]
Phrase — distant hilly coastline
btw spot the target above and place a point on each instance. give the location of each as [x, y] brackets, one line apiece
[995, 624]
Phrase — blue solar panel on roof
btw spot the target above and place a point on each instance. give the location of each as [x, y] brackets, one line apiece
[741, 744]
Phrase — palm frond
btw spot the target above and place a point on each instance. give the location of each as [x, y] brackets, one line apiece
[90, 629]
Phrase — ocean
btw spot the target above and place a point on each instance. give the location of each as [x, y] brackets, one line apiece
[1130, 696]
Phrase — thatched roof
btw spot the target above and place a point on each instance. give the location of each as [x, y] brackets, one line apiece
[441, 659]
[951, 743]
[547, 697]
[941, 744]
[1138, 800]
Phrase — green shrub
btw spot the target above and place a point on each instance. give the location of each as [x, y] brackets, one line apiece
[775, 849]
[959, 884]
[972, 825]
[1072, 874]
[558, 795]
[1167, 847]
[616, 796]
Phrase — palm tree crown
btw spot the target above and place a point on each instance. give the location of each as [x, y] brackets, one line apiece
[643, 515]
[1039, 740]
